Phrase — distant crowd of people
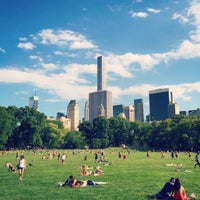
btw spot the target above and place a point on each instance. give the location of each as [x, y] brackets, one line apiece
[172, 189]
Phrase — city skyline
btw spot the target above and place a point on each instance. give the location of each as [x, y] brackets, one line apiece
[51, 47]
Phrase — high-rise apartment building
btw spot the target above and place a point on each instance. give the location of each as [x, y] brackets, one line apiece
[98, 99]
[73, 114]
[158, 103]
[124, 112]
[86, 111]
[102, 98]
[34, 102]
[139, 112]
[129, 113]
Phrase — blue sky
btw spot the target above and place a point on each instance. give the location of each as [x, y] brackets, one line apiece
[51, 47]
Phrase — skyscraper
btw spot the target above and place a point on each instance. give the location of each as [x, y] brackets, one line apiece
[173, 108]
[101, 74]
[159, 102]
[73, 114]
[117, 109]
[98, 99]
[139, 113]
[34, 102]
[129, 113]
[102, 98]
[86, 111]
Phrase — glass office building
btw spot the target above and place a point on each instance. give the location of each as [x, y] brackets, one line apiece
[158, 103]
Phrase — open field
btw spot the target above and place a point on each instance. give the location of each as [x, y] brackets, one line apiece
[132, 178]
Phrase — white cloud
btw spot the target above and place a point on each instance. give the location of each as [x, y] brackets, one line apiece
[180, 91]
[52, 100]
[58, 84]
[21, 92]
[124, 64]
[49, 66]
[75, 72]
[180, 18]
[62, 37]
[26, 45]
[152, 10]
[58, 53]
[139, 14]
[32, 57]
[2, 50]
[23, 39]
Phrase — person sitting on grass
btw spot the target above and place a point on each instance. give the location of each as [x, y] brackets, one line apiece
[178, 191]
[97, 171]
[166, 191]
[84, 171]
[10, 167]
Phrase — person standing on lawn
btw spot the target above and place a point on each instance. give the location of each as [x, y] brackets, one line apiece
[21, 166]
[197, 160]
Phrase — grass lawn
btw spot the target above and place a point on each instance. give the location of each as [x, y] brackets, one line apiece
[132, 178]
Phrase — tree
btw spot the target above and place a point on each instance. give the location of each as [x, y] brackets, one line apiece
[100, 128]
[74, 140]
[6, 126]
[86, 128]
[53, 135]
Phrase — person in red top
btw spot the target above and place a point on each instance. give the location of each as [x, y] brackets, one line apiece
[179, 191]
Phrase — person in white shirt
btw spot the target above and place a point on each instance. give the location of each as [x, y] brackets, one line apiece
[63, 158]
[21, 166]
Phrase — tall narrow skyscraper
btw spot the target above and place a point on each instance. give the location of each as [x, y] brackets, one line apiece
[102, 98]
[101, 74]
[159, 102]
[73, 114]
[139, 113]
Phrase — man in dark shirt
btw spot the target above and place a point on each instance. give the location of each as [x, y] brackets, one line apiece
[197, 160]
[166, 191]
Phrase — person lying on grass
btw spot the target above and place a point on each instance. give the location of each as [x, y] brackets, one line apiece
[72, 182]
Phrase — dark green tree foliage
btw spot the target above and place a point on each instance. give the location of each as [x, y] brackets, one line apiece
[6, 126]
[100, 130]
[53, 135]
[86, 129]
[73, 140]
[28, 128]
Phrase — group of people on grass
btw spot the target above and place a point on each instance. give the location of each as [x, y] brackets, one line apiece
[91, 171]
[172, 190]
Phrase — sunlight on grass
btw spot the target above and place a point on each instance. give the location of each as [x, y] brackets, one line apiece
[132, 178]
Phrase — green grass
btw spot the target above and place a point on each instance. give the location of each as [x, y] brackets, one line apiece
[133, 178]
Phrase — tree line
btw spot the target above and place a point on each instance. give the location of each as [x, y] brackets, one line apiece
[26, 127]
